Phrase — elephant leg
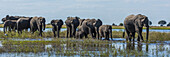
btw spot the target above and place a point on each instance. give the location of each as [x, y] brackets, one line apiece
[140, 34]
[67, 32]
[101, 35]
[97, 31]
[40, 30]
[74, 31]
[94, 34]
[138, 38]
[70, 31]
[90, 32]
[128, 35]
[133, 35]
[107, 36]
[9, 28]
[54, 32]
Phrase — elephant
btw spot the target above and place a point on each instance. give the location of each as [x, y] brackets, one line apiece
[83, 30]
[135, 23]
[57, 25]
[105, 31]
[72, 23]
[10, 24]
[12, 18]
[23, 23]
[81, 21]
[80, 33]
[37, 23]
[93, 26]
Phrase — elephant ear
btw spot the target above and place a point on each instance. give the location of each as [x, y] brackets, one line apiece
[110, 27]
[97, 23]
[138, 20]
[7, 17]
[61, 21]
[77, 17]
[145, 21]
[52, 21]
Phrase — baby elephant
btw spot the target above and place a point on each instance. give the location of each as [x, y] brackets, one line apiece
[105, 31]
[80, 34]
[57, 24]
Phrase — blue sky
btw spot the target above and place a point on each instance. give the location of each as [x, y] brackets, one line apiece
[109, 11]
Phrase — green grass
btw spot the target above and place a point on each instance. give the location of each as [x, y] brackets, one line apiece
[113, 27]
[153, 36]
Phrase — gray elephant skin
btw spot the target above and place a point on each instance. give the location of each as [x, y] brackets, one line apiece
[93, 26]
[56, 26]
[10, 24]
[135, 23]
[88, 26]
[83, 30]
[72, 23]
[12, 18]
[105, 31]
[23, 23]
[37, 23]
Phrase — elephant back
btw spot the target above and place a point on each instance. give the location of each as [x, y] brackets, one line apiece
[58, 22]
[72, 20]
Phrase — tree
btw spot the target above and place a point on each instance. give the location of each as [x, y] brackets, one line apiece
[162, 22]
[150, 23]
[168, 24]
[114, 24]
[121, 24]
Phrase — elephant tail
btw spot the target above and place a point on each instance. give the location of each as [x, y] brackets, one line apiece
[123, 34]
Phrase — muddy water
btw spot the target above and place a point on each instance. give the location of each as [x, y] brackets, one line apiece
[117, 47]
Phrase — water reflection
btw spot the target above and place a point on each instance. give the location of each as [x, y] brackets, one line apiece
[78, 48]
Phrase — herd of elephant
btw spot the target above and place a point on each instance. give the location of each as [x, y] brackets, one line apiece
[92, 27]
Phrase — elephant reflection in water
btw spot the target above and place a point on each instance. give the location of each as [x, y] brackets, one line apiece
[131, 46]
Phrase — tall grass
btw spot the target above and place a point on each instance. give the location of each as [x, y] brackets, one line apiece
[115, 34]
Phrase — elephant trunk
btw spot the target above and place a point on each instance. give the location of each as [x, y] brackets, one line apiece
[44, 26]
[111, 34]
[147, 33]
[4, 28]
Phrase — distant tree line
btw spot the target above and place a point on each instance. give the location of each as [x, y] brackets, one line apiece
[161, 23]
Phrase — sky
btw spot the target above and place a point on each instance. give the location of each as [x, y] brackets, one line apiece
[109, 11]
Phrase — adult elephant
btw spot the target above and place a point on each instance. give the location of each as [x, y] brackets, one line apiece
[72, 23]
[57, 25]
[135, 23]
[10, 24]
[23, 23]
[93, 26]
[37, 23]
[105, 31]
[12, 18]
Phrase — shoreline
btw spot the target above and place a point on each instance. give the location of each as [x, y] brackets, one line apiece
[117, 27]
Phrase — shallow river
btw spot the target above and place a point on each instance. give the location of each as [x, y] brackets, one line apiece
[116, 47]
